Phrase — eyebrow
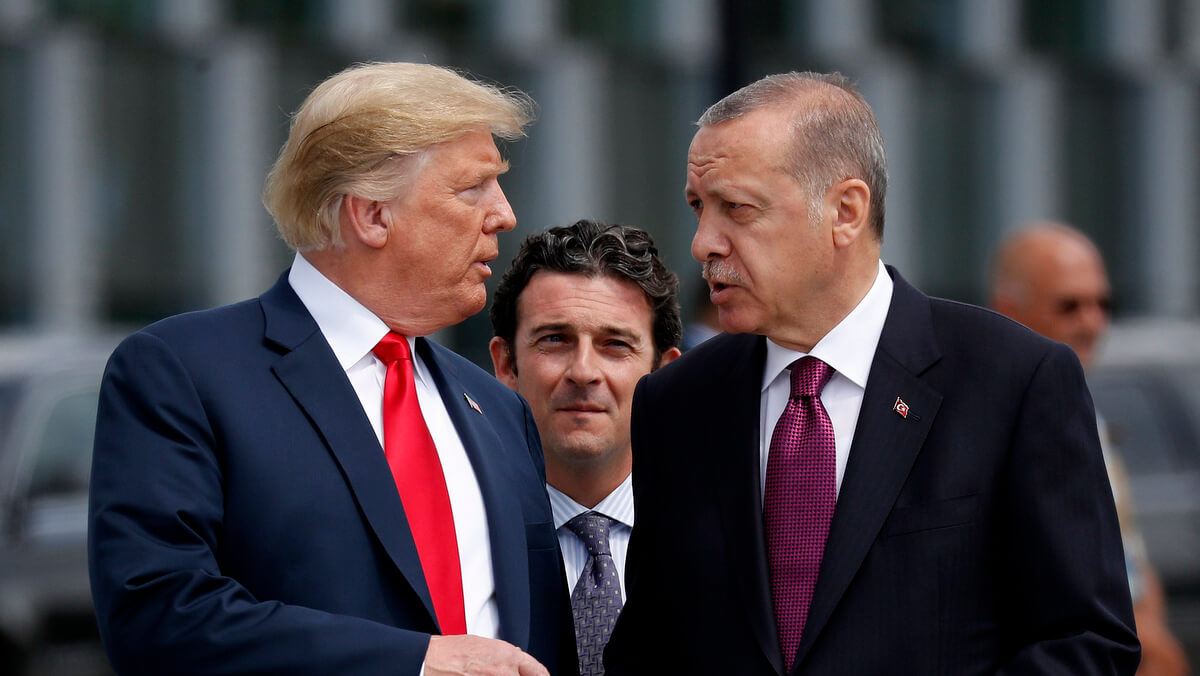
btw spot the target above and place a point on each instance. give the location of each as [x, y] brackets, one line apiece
[492, 169]
[604, 330]
[725, 192]
[540, 328]
[468, 177]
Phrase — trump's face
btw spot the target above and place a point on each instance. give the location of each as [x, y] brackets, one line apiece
[765, 253]
[443, 230]
[582, 342]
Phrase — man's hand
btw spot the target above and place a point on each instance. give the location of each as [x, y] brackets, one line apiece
[478, 656]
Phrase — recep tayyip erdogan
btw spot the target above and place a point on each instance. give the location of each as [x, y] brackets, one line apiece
[860, 479]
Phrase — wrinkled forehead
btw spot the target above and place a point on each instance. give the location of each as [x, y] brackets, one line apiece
[759, 139]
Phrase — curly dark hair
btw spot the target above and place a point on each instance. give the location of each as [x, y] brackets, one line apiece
[593, 249]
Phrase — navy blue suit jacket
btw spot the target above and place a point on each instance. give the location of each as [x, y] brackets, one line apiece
[976, 535]
[244, 519]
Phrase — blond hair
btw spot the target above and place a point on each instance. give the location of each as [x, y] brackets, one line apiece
[364, 132]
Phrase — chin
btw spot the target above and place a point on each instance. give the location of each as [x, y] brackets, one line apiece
[732, 322]
[471, 303]
[576, 448]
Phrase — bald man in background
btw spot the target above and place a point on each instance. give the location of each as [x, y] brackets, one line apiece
[1051, 278]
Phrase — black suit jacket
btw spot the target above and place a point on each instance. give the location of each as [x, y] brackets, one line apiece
[244, 518]
[977, 535]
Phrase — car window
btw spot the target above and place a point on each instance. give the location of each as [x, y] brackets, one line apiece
[1187, 382]
[63, 459]
[10, 393]
[1136, 424]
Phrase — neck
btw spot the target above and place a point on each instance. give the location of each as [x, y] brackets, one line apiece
[843, 295]
[587, 486]
[354, 272]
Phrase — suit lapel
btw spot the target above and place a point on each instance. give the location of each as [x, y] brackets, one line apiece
[310, 372]
[885, 446]
[739, 490]
[504, 514]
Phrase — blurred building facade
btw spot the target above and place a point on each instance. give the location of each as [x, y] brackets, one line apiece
[135, 134]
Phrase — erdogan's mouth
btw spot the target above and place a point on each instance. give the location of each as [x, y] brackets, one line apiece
[721, 277]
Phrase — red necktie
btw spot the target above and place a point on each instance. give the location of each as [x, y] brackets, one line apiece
[418, 474]
[799, 499]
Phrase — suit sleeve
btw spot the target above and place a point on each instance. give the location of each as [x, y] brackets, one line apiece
[636, 645]
[568, 660]
[155, 531]
[1060, 538]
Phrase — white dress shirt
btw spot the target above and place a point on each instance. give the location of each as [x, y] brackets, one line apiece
[353, 332]
[617, 506]
[849, 348]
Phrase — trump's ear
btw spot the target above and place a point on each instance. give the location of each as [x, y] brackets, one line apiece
[503, 363]
[365, 220]
[851, 200]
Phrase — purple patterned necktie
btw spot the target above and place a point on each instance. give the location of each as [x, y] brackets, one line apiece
[596, 600]
[800, 496]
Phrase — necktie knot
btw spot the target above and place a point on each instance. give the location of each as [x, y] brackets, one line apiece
[809, 376]
[393, 347]
[592, 529]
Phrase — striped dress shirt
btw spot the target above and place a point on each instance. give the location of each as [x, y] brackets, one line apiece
[617, 506]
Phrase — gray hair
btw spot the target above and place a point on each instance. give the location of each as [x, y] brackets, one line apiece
[834, 132]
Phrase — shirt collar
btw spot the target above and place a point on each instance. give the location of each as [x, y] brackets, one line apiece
[617, 505]
[349, 328]
[850, 346]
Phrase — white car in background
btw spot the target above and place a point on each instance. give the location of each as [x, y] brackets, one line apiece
[48, 395]
[1146, 386]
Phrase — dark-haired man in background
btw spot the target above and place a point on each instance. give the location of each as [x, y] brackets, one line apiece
[583, 313]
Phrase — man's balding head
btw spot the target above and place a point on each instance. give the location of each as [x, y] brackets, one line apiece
[1051, 278]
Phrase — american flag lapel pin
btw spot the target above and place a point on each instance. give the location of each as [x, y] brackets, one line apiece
[472, 404]
[900, 407]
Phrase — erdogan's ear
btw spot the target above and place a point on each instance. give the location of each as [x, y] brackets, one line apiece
[364, 220]
[503, 362]
[851, 201]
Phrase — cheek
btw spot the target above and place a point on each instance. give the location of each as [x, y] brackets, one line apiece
[624, 386]
[537, 380]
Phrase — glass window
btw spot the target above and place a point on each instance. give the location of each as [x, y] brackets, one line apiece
[1136, 424]
[1187, 384]
[63, 460]
[10, 394]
